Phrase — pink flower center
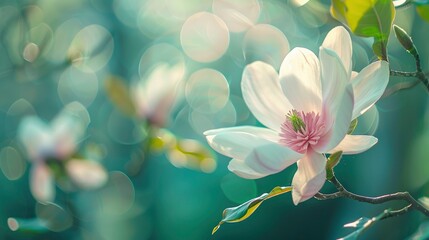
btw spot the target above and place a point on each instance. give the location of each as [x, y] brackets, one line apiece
[301, 130]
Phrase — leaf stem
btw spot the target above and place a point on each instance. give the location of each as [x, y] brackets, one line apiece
[399, 196]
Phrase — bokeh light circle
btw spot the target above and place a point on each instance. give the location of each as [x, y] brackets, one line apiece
[55, 217]
[75, 85]
[204, 37]
[12, 164]
[266, 43]
[238, 15]
[207, 90]
[159, 53]
[91, 48]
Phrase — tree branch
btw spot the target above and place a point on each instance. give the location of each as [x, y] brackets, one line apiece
[399, 196]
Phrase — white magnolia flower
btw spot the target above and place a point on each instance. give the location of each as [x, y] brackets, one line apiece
[57, 142]
[155, 96]
[307, 109]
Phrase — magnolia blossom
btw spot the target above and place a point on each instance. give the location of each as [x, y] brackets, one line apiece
[307, 109]
[54, 144]
[155, 96]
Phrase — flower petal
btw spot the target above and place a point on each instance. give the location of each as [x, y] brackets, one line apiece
[337, 100]
[354, 144]
[262, 93]
[42, 183]
[255, 153]
[68, 127]
[300, 80]
[36, 136]
[155, 95]
[369, 85]
[86, 174]
[310, 176]
[338, 39]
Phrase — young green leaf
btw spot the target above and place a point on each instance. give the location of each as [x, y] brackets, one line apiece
[362, 224]
[367, 18]
[333, 160]
[118, 93]
[243, 211]
[352, 126]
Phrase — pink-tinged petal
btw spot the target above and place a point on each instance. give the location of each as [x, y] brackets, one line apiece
[369, 85]
[254, 155]
[337, 101]
[354, 144]
[42, 183]
[262, 93]
[338, 40]
[300, 80]
[309, 178]
[86, 174]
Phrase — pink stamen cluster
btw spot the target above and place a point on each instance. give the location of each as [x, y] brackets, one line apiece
[309, 134]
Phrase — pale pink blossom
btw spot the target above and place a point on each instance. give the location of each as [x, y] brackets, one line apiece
[307, 109]
[155, 96]
[54, 144]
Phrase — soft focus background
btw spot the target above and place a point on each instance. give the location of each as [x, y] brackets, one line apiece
[56, 52]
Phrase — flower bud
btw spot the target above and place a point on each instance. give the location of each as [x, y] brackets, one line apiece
[405, 40]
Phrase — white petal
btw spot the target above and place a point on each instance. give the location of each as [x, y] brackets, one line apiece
[354, 144]
[262, 93]
[41, 183]
[86, 174]
[240, 168]
[337, 100]
[37, 138]
[369, 85]
[300, 80]
[338, 39]
[309, 178]
[258, 131]
[256, 155]
[69, 127]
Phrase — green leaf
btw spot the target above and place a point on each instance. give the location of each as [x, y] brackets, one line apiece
[367, 18]
[423, 11]
[118, 93]
[362, 224]
[192, 154]
[352, 126]
[243, 211]
[333, 160]
[27, 226]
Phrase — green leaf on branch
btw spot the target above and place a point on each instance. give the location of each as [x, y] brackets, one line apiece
[333, 160]
[243, 211]
[352, 126]
[362, 224]
[367, 18]
[118, 93]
